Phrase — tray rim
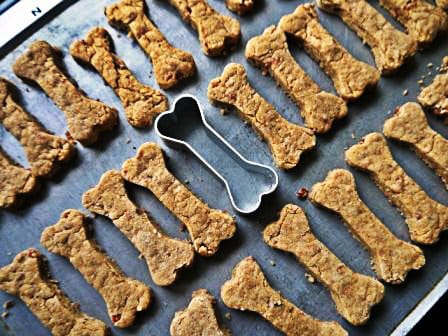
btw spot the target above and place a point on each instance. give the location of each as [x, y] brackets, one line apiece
[401, 329]
[423, 307]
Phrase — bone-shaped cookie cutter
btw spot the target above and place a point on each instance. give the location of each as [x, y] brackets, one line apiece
[163, 126]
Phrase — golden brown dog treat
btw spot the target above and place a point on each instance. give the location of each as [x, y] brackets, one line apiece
[171, 65]
[425, 217]
[207, 227]
[165, 256]
[44, 151]
[409, 124]
[435, 95]
[392, 258]
[270, 52]
[141, 103]
[350, 76]
[15, 181]
[442, 4]
[124, 297]
[86, 117]
[240, 7]
[422, 19]
[354, 294]
[390, 47]
[198, 318]
[26, 278]
[217, 33]
[248, 289]
[287, 141]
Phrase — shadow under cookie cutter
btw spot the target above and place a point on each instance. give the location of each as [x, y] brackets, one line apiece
[172, 128]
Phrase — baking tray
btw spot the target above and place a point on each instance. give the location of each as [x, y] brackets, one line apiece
[403, 304]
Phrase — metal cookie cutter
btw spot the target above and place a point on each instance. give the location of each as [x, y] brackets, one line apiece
[246, 181]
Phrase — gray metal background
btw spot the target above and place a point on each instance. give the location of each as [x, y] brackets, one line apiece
[22, 229]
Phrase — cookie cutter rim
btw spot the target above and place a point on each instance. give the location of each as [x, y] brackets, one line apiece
[248, 164]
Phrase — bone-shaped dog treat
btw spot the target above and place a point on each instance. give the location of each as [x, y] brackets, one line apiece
[270, 52]
[15, 181]
[442, 4]
[123, 296]
[354, 294]
[26, 277]
[198, 318]
[435, 95]
[86, 117]
[44, 151]
[350, 76]
[165, 256]
[392, 258]
[141, 102]
[207, 227]
[422, 19]
[171, 65]
[248, 289]
[240, 7]
[286, 140]
[390, 47]
[409, 124]
[425, 217]
[217, 33]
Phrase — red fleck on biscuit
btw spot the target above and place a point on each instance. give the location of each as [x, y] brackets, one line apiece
[86, 118]
[353, 294]
[409, 124]
[425, 217]
[171, 65]
[350, 76]
[319, 109]
[141, 102]
[44, 151]
[166, 257]
[392, 258]
[248, 289]
[26, 278]
[286, 140]
[217, 33]
[390, 46]
[207, 227]
[123, 296]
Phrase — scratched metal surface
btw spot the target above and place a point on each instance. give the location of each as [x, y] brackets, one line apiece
[22, 229]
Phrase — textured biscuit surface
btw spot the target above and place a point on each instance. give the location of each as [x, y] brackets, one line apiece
[350, 76]
[240, 7]
[354, 294]
[425, 217]
[171, 65]
[15, 181]
[198, 319]
[217, 33]
[26, 278]
[422, 19]
[442, 4]
[123, 296]
[270, 52]
[86, 117]
[390, 47]
[44, 151]
[248, 289]
[392, 258]
[165, 256]
[207, 227]
[409, 124]
[141, 102]
[435, 95]
[287, 141]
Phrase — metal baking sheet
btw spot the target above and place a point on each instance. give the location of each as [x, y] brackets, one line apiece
[22, 229]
